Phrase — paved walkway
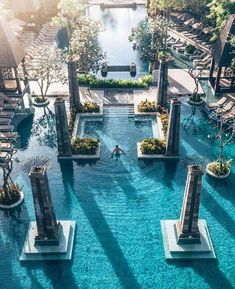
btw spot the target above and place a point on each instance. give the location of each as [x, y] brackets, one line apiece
[180, 83]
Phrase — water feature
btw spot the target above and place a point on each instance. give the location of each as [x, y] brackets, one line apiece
[116, 26]
[118, 206]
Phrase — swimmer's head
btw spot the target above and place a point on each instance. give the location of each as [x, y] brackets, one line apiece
[116, 146]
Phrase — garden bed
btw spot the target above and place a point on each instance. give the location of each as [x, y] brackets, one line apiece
[92, 82]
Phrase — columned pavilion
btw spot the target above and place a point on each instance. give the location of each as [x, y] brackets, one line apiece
[221, 77]
[11, 55]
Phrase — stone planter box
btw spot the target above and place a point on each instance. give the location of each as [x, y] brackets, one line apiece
[13, 206]
[142, 156]
[42, 104]
[215, 176]
[95, 156]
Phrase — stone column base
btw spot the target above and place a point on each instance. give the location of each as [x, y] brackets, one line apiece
[203, 250]
[63, 251]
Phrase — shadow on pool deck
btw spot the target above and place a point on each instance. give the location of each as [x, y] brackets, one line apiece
[107, 239]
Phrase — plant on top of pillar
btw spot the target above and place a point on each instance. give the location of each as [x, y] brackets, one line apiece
[45, 71]
[225, 134]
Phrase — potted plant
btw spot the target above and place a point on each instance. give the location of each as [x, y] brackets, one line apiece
[190, 49]
[220, 168]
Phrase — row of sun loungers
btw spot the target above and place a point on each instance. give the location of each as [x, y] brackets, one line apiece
[223, 109]
[44, 39]
[8, 105]
[191, 28]
[200, 59]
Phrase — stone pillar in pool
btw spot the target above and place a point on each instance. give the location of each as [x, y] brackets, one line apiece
[188, 237]
[173, 130]
[47, 237]
[162, 83]
[47, 226]
[187, 227]
[62, 129]
[73, 84]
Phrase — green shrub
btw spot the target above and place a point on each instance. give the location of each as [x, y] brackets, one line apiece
[93, 82]
[149, 106]
[220, 171]
[190, 49]
[85, 146]
[165, 56]
[89, 106]
[164, 120]
[153, 146]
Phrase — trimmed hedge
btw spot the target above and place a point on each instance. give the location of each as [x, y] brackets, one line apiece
[85, 146]
[153, 146]
[93, 82]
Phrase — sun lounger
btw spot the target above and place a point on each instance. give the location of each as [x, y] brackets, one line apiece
[9, 106]
[8, 114]
[199, 56]
[217, 104]
[6, 128]
[178, 45]
[170, 43]
[196, 61]
[226, 108]
[5, 121]
[6, 99]
[3, 156]
[7, 136]
[5, 147]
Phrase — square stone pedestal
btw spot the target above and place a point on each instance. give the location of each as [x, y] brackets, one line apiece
[204, 250]
[63, 251]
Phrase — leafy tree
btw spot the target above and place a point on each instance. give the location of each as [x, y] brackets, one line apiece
[84, 46]
[149, 39]
[46, 69]
[219, 12]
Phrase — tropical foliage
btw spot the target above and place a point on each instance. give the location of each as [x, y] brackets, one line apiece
[153, 146]
[93, 82]
[220, 169]
[89, 106]
[149, 38]
[85, 146]
[46, 70]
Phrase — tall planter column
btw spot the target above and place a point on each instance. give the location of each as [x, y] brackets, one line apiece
[73, 84]
[162, 83]
[173, 130]
[62, 129]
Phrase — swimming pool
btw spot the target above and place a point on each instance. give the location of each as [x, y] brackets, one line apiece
[118, 206]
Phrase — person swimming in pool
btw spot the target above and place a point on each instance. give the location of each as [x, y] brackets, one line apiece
[117, 151]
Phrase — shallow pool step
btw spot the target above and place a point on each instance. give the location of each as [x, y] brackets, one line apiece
[122, 111]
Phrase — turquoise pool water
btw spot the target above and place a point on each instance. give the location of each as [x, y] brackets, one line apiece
[118, 206]
[116, 26]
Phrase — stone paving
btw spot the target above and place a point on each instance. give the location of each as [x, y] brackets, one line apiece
[180, 83]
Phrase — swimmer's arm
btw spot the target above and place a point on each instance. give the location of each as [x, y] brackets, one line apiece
[122, 151]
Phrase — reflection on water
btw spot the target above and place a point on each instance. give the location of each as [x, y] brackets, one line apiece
[116, 26]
